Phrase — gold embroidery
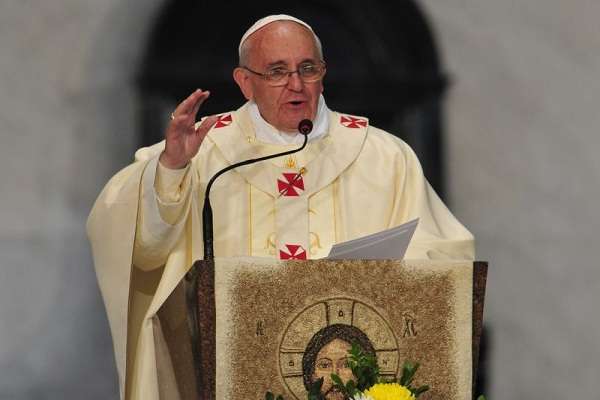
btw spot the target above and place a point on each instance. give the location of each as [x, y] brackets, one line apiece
[315, 243]
[270, 245]
[290, 162]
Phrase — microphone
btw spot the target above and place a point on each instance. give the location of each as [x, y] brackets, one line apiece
[304, 127]
[195, 302]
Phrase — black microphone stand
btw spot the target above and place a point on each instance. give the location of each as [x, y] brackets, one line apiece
[202, 273]
[207, 215]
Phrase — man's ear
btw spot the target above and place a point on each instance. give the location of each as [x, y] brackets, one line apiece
[243, 81]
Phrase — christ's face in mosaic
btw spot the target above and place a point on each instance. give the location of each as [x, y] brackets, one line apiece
[333, 359]
[328, 352]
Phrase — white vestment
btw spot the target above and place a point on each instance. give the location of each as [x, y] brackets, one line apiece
[356, 180]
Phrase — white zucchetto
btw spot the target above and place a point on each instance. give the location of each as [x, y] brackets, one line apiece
[266, 21]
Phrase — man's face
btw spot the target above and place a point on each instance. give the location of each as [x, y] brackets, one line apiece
[333, 359]
[281, 44]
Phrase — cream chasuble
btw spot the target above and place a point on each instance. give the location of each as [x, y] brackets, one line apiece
[353, 181]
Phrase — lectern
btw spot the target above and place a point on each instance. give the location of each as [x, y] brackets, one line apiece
[257, 324]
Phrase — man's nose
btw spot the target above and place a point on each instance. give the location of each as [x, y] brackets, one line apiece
[337, 368]
[295, 83]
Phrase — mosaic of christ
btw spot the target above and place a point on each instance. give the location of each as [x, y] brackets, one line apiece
[317, 344]
[327, 354]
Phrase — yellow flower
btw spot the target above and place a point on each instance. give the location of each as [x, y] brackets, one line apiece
[389, 391]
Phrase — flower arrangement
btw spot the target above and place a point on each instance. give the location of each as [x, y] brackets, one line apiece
[369, 385]
[386, 391]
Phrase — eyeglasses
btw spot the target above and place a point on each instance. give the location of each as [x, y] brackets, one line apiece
[280, 76]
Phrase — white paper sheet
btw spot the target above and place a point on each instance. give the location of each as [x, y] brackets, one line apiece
[390, 244]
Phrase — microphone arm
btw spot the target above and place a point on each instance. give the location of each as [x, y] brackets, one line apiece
[304, 127]
[206, 337]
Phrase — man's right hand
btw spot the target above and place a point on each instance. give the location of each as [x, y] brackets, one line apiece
[182, 138]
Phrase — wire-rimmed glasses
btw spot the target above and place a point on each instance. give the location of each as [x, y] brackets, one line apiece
[279, 76]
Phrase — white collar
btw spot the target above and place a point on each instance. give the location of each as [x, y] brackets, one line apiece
[267, 133]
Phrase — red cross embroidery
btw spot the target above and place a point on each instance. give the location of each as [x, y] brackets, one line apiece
[223, 120]
[352, 122]
[291, 183]
[294, 252]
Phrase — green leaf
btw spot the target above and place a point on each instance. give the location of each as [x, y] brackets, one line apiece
[364, 367]
[314, 391]
[348, 389]
[481, 397]
[408, 372]
[351, 386]
[421, 389]
[270, 396]
[337, 380]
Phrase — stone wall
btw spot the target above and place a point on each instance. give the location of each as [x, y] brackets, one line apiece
[523, 161]
[67, 120]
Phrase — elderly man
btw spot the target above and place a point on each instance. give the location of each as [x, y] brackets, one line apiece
[351, 180]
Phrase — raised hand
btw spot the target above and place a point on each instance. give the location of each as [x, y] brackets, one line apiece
[182, 138]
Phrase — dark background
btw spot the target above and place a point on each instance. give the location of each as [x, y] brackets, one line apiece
[382, 63]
